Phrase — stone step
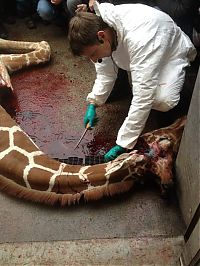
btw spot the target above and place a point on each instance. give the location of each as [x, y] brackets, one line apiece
[144, 251]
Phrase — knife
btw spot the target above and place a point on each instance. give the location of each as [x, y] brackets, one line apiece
[82, 136]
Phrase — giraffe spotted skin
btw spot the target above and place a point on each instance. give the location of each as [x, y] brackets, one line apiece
[27, 173]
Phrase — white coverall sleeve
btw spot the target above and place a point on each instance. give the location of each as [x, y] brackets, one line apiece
[145, 60]
[106, 75]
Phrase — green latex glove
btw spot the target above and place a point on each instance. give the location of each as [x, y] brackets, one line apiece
[90, 116]
[113, 153]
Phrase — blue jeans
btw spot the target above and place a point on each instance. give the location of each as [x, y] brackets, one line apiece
[46, 10]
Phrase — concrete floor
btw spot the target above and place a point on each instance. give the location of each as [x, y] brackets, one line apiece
[138, 228]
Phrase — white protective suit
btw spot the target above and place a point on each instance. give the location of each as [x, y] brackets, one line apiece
[155, 51]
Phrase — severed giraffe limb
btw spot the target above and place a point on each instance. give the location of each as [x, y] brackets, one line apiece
[20, 55]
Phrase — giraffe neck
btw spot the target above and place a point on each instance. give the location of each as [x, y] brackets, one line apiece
[25, 168]
[25, 165]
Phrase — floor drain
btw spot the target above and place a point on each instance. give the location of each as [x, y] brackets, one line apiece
[88, 160]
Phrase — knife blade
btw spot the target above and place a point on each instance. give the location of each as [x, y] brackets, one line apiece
[82, 136]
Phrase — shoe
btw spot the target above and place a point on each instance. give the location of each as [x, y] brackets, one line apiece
[30, 23]
[3, 31]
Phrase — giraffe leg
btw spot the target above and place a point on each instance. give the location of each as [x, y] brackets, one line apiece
[5, 83]
[24, 54]
[30, 54]
[21, 46]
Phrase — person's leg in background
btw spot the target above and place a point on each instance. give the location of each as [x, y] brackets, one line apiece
[25, 9]
[58, 14]
[62, 15]
[46, 10]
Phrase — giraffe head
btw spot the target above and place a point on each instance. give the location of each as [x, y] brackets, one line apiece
[162, 147]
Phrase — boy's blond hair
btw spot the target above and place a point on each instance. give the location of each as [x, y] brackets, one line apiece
[83, 29]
